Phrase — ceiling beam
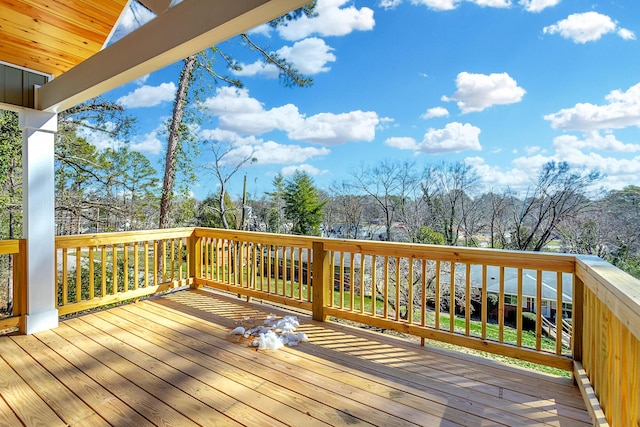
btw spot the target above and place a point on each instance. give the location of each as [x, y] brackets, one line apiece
[156, 6]
[187, 28]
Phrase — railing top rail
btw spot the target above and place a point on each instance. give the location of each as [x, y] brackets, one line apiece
[517, 259]
[618, 290]
[85, 240]
[264, 238]
[10, 246]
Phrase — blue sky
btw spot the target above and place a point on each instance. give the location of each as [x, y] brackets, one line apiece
[503, 85]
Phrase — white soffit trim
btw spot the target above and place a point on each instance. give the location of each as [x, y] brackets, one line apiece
[187, 28]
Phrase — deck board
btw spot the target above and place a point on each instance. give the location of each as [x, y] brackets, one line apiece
[170, 361]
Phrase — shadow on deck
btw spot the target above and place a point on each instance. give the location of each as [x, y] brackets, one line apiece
[170, 361]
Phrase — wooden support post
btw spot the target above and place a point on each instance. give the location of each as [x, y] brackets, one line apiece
[577, 311]
[20, 285]
[321, 281]
[194, 258]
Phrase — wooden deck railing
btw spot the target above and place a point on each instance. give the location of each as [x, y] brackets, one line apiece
[15, 286]
[609, 354]
[102, 269]
[433, 292]
[401, 287]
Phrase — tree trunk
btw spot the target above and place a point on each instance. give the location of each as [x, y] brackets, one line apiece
[174, 139]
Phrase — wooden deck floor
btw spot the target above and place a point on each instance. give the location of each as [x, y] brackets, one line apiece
[170, 361]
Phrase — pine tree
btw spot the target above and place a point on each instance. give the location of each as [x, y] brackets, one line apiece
[303, 204]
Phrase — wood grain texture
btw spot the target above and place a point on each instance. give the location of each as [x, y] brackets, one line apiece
[51, 36]
[170, 360]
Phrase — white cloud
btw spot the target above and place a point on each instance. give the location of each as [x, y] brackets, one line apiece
[402, 143]
[333, 129]
[493, 3]
[438, 4]
[258, 68]
[626, 34]
[537, 5]
[332, 20]
[622, 110]
[133, 18]
[532, 150]
[435, 112]
[587, 27]
[290, 170]
[594, 141]
[263, 30]
[453, 4]
[274, 153]
[151, 143]
[309, 56]
[495, 178]
[101, 140]
[142, 80]
[389, 4]
[265, 152]
[148, 96]
[479, 91]
[230, 100]
[455, 137]
[242, 114]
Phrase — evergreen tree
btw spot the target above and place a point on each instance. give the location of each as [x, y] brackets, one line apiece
[303, 207]
[10, 176]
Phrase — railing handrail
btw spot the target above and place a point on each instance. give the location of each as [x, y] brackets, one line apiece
[120, 237]
[620, 290]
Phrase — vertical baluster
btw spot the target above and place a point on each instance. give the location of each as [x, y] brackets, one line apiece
[180, 262]
[276, 268]
[501, 306]
[467, 300]
[270, 262]
[341, 272]
[125, 268]
[452, 297]
[78, 275]
[172, 259]
[519, 310]
[410, 292]
[103, 261]
[114, 269]
[437, 296]
[309, 275]
[423, 300]
[136, 264]
[559, 331]
[301, 280]
[146, 263]
[351, 280]
[374, 262]
[398, 286]
[483, 306]
[292, 271]
[362, 284]
[385, 287]
[283, 270]
[91, 274]
[538, 310]
[65, 275]
[163, 243]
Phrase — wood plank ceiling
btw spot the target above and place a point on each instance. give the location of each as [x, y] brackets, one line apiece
[52, 36]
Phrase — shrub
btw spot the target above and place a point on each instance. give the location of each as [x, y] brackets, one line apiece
[528, 321]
